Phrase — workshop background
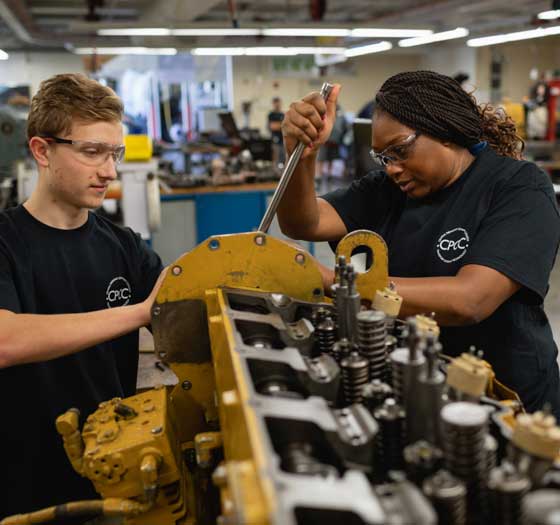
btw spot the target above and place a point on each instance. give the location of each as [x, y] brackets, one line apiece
[198, 81]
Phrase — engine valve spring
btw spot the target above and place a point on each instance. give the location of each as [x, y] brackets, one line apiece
[398, 360]
[325, 335]
[507, 488]
[464, 426]
[354, 377]
[390, 438]
[372, 336]
[334, 289]
[448, 494]
[491, 448]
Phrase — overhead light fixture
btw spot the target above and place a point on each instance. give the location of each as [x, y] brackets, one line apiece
[135, 31]
[514, 37]
[358, 32]
[125, 51]
[553, 14]
[302, 31]
[459, 32]
[367, 32]
[311, 50]
[162, 31]
[216, 32]
[3, 55]
[267, 51]
[218, 51]
[366, 50]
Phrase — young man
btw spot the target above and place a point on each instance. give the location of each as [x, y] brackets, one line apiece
[74, 289]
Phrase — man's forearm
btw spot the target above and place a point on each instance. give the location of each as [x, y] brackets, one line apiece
[27, 338]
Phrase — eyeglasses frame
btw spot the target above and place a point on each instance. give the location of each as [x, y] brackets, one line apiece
[384, 159]
[117, 152]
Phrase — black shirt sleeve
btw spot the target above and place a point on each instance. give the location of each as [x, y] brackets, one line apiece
[365, 202]
[520, 233]
[9, 299]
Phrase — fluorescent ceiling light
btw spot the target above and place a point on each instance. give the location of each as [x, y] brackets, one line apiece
[215, 32]
[366, 50]
[135, 31]
[218, 51]
[367, 32]
[549, 15]
[513, 37]
[162, 31]
[125, 51]
[267, 51]
[311, 50]
[359, 32]
[3, 55]
[301, 31]
[460, 32]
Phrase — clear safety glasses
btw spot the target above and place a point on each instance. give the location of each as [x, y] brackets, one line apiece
[395, 153]
[91, 153]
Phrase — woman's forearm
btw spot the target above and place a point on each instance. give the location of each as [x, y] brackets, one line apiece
[298, 212]
[444, 296]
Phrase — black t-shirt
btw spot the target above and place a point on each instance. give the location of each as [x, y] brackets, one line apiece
[501, 213]
[45, 270]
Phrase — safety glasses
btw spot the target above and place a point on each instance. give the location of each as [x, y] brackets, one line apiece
[395, 153]
[91, 153]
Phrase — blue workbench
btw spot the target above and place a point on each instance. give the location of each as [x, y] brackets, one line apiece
[190, 216]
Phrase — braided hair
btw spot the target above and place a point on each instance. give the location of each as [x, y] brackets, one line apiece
[437, 105]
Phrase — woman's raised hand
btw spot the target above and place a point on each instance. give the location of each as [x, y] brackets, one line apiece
[310, 120]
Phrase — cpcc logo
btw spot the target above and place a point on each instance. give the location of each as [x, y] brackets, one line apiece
[118, 292]
[453, 245]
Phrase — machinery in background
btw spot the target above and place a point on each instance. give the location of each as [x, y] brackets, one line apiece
[553, 129]
[13, 151]
[294, 410]
[227, 157]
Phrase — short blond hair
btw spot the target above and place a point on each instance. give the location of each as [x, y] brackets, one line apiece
[64, 98]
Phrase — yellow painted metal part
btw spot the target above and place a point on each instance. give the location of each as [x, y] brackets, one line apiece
[120, 455]
[253, 261]
[129, 451]
[247, 492]
[246, 260]
[377, 277]
[114, 447]
[198, 402]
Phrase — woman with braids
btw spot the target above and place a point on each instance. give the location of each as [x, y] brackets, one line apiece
[472, 229]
